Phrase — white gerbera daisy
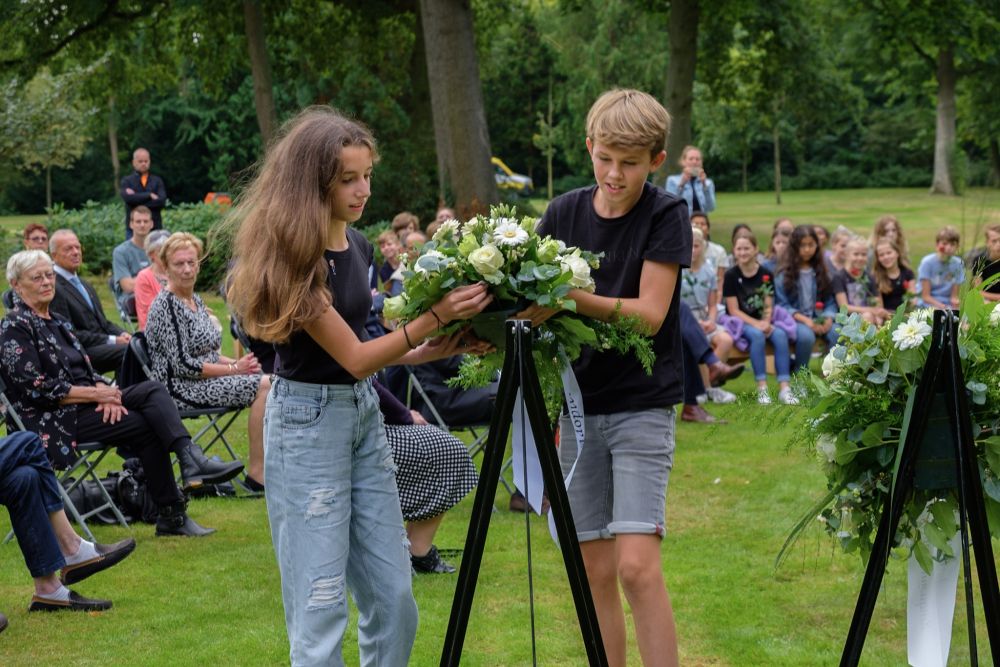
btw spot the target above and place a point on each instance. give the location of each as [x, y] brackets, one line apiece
[508, 232]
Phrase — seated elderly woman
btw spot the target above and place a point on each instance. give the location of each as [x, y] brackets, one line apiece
[55, 555]
[184, 343]
[150, 280]
[59, 396]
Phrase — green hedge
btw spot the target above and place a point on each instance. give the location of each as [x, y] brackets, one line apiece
[101, 227]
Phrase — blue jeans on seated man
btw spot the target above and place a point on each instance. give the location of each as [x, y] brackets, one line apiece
[758, 352]
[336, 523]
[30, 491]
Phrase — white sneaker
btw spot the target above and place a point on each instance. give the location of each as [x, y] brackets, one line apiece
[702, 399]
[787, 397]
[763, 396]
[720, 395]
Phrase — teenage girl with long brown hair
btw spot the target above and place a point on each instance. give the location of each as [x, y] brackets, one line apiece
[301, 282]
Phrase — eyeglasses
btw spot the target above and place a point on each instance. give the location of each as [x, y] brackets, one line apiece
[39, 239]
[39, 277]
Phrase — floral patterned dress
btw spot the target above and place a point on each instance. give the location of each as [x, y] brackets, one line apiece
[180, 341]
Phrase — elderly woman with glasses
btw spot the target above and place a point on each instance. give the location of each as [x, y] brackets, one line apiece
[184, 346]
[36, 237]
[59, 396]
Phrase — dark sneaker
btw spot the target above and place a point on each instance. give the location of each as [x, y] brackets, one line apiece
[107, 555]
[431, 563]
[74, 603]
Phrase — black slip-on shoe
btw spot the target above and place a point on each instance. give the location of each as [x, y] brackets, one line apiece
[108, 555]
[74, 603]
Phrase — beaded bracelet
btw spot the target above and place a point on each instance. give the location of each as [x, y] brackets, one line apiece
[407, 336]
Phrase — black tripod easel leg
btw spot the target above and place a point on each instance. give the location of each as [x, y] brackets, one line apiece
[942, 370]
[518, 357]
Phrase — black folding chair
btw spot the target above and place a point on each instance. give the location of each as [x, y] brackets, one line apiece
[218, 419]
[91, 455]
[126, 308]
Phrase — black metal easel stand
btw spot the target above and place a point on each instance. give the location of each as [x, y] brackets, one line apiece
[519, 372]
[942, 380]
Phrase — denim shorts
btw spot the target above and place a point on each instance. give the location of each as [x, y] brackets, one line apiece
[620, 482]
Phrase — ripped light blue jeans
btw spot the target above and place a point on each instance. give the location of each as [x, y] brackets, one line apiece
[336, 523]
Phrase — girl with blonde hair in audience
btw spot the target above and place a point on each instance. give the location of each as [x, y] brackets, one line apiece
[836, 256]
[854, 289]
[301, 281]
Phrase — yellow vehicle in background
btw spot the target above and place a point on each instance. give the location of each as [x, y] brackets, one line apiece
[508, 179]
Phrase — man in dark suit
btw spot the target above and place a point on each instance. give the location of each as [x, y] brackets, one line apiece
[143, 188]
[77, 302]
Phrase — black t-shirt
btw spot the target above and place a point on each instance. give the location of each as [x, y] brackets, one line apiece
[986, 269]
[656, 229]
[894, 297]
[857, 290]
[301, 358]
[745, 289]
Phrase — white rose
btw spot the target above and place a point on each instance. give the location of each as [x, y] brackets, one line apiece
[831, 365]
[995, 316]
[580, 269]
[487, 260]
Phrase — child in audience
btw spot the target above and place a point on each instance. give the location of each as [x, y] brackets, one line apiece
[941, 273]
[749, 293]
[700, 291]
[836, 256]
[390, 247]
[802, 287]
[823, 234]
[715, 254]
[405, 222]
[854, 289]
[775, 249]
[887, 227]
[784, 226]
[893, 276]
[988, 264]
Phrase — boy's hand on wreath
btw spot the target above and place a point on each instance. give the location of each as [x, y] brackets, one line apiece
[462, 303]
[537, 314]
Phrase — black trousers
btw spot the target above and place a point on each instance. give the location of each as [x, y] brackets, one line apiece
[151, 430]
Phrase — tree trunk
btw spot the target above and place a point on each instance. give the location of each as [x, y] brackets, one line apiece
[260, 70]
[745, 165]
[944, 134]
[113, 145]
[460, 126]
[682, 33]
[48, 189]
[994, 163]
[418, 104]
[776, 136]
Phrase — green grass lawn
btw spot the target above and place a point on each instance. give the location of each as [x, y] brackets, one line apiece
[735, 492]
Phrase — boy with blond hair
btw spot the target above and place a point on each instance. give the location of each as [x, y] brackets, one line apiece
[618, 492]
[941, 273]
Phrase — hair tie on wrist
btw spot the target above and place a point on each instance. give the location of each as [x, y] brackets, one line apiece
[407, 336]
[440, 323]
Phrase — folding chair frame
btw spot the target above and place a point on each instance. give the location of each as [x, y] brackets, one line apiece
[91, 455]
[219, 419]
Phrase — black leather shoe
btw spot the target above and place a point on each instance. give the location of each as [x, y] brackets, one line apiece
[108, 555]
[74, 603]
[431, 563]
[197, 469]
[173, 520]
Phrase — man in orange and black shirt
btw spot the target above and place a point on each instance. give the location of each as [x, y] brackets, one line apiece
[143, 188]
